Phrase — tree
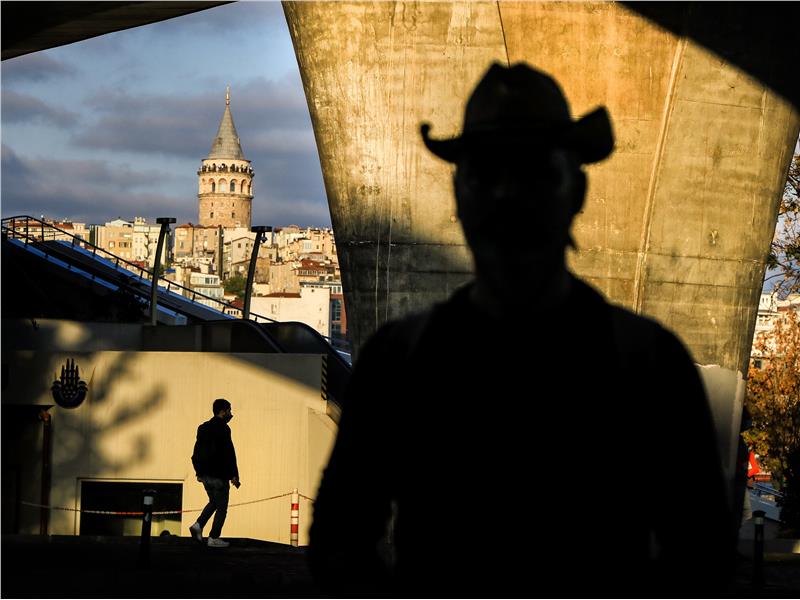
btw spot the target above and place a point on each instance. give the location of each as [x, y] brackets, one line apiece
[235, 285]
[783, 263]
[773, 400]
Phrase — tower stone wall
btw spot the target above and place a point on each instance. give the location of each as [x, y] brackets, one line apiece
[219, 203]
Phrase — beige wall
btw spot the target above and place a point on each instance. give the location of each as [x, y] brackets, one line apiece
[311, 308]
[117, 240]
[140, 419]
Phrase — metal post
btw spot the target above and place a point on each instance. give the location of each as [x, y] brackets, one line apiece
[44, 514]
[164, 222]
[221, 252]
[147, 519]
[758, 548]
[251, 272]
[294, 528]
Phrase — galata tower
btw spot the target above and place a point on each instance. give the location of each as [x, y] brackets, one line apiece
[225, 180]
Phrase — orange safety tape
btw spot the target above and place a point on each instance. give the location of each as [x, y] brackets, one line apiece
[155, 512]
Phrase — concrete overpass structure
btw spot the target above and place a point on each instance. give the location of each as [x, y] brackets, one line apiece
[678, 221]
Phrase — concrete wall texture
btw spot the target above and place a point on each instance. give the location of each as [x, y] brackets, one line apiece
[139, 420]
[678, 220]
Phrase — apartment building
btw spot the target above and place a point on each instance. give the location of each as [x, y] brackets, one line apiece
[310, 306]
[115, 236]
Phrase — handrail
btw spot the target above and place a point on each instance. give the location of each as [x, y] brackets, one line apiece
[26, 235]
[767, 490]
[113, 257]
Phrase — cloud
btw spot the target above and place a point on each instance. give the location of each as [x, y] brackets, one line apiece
[24, 108]
[272, 120]
[37, 67]
[271, 114]
[96, 191]
[289, 189]
[92, 191]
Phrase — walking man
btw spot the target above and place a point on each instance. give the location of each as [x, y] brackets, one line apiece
[214, 461]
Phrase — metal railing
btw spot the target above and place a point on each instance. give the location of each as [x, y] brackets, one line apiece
[32, 230]
[765, 491]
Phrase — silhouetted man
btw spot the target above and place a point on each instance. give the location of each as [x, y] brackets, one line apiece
[214, 461]
[530, 435]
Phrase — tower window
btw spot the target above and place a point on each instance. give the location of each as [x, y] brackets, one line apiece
[233, 215]
[212, 215]
[233, 186]
[213, 186]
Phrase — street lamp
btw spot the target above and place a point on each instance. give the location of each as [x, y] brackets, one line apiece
[165, 223]
[259, 230]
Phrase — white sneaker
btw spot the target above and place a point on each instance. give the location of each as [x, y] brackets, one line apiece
[197, 532]
[217, 543]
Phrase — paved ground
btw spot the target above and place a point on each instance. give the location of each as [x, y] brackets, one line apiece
[94, 567]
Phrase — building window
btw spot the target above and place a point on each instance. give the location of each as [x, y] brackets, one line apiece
[233, 215]
[233, 186]
[213, 186]
[212, 215]
[757, 363]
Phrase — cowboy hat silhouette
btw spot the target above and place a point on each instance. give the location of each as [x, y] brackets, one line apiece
[522, 106]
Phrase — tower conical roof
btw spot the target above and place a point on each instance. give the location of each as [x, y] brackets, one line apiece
[226, 143]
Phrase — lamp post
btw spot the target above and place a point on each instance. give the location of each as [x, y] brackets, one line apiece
[147, 520]
[251, 272]
[165, 223]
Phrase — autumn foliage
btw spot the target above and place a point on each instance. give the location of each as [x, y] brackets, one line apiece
[773, 399]
[783, 262]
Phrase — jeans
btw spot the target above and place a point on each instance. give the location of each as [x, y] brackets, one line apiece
[218, 491]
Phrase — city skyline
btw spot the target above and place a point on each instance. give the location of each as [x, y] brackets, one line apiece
[117, 126]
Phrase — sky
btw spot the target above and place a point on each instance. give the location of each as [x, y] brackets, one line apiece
[118, 125]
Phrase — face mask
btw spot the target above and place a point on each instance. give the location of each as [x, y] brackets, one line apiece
[227, 418]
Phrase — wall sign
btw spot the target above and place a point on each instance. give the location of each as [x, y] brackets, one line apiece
[68, 390]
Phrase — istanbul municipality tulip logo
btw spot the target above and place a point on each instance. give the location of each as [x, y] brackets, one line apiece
[68, 390]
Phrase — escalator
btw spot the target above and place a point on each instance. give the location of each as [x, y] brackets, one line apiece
[48, 273]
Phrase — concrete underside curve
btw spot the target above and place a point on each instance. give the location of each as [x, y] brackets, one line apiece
[678, 220]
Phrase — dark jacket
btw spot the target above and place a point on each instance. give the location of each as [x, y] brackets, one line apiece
[505, 447]
[214, 455]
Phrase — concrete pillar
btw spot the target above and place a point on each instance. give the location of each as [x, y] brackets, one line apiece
[678, 221]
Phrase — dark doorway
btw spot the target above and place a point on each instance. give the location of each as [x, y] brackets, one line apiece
[126, 496]
[22, 446]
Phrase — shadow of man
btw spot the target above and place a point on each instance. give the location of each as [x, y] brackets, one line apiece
[528, 432]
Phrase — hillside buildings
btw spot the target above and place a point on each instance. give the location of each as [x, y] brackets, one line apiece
[135, 241]
[771, 309]
[294, 264]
